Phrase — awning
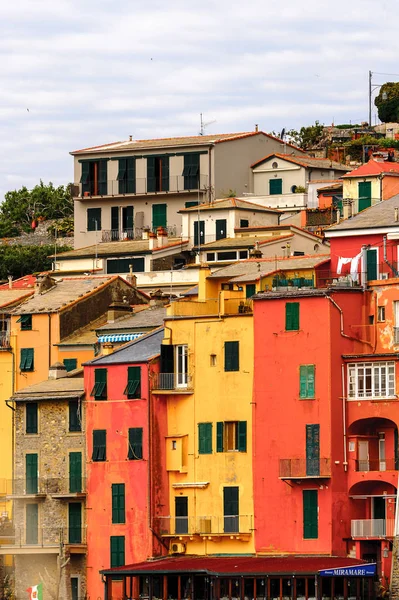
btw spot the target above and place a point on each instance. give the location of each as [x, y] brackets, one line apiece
[118, 337]
[237, 565]
[368, 570]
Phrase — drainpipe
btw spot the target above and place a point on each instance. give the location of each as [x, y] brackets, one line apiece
[344, 416]
[394, 271]
[349, 337]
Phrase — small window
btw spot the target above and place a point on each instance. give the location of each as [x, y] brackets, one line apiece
[250, 290]
[292, 316]
[381, 314]
[99, 445]
[204, 438]
[293, 189]
[231, 436]
[27, 361]
[70, 364]
[75, 416]
[213, 360]
[210, 256]
[133, 388]
[243, 254]
[117, 544]
[231, 356]
[371, 319]
[244, 223]
[135, 451]
[94, 219]
[307, 381]
[99, 391]
[31, 417]
[174, 445]
[26, 322]
[274, 165]
[227, 255]
[118, 502]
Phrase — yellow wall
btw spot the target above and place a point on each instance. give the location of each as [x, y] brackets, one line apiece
[6, 441]
[218, 396]
[351, 189]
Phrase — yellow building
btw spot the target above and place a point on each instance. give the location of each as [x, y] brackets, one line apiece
[206, 381]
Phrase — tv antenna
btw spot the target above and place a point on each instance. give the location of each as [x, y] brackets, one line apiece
[205, 124]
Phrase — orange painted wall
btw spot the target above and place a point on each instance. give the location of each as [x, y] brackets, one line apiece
[117, 414]
[281, 418]
[390, 187]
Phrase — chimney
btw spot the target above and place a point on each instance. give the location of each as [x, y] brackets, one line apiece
[158, 299]
[56, 371]
[43, 283]
[146, 233]
[162, 236]
[255, 252]
[338, 216]
[256, 127]
[132, 279]
[396, 214]
[130, 138]
[152, 241]
[10, 282]
[116, 310]
[107, 349]
[346, 208]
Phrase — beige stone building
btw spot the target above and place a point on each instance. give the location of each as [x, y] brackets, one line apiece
[124, 187]
[48, 539]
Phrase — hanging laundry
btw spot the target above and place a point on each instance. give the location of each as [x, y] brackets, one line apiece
[341, 262]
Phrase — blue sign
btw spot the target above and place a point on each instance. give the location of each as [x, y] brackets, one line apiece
[367, 570]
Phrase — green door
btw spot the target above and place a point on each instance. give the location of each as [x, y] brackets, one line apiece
[221, 229]
[75, 472]
[275, 186]
[310, 514]
[75, 523]
[250, 290]
[364, 191]
[32, 523]
[158, 216]
[230, 509]
[31, 463]
[312, 450]
[371, 264]
[199, 233]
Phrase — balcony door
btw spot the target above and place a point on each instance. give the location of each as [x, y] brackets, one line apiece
[313, 450]
[363, 455]
[381, 452]
[181, 361]
[181, 514]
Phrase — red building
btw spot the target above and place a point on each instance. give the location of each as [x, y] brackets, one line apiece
[126, 473]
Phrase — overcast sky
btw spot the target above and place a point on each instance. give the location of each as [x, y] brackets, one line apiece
[85, 72]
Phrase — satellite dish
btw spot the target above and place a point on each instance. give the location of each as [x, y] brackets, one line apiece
[282, 134]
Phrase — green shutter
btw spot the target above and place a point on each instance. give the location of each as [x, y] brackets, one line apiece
[75, 523]
[102, 178]
[31, 468]
[307, 381]
[85, 172]
[242, 436]
[165, 173]
[310, 514]
[221, 229]
[292, 316]
[159, 215]
[75, 417]
[313, 450]
[191, 171]
[99, 391]
[219, 436]
[131, 176]
[133, 387]
[275, 186]
[127, 218]
[191, 203]
[204, 438]
[70, 364]
[75, 472]
[118, 503]
[99, 445]
[151, 179]
[311, 381]
[250, 290]
[94, 219]
[231, 356]
[115, 222]
[364, 191]
[117, 546]
[27, 359]
[121, 171]
[32, 523]
[371, 264]
[135, 451]
[26, 322]
[31, 417]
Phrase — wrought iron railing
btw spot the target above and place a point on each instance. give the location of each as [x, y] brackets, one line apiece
[172, 381]
[140, 185]
[375, 464]
[43, 537]
[204, 525]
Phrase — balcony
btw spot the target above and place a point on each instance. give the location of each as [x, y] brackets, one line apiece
[372, 528]
[223, 305]
[116, 235]
[300, 468]
[387, 464]
[209, 526]
[176, 184]
[178, 383]
[42, 540]
[58, 488]
[5, 340]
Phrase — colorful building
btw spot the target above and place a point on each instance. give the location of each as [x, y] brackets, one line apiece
[126, 474]
[372, 182]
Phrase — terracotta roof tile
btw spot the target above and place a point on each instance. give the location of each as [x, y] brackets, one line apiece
[304, 161]
[374, 167]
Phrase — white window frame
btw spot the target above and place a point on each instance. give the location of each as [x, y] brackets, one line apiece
[181, 365]
[371, 380]
[79, 578]
[364, 263]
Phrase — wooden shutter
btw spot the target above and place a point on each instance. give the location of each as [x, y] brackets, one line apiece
[307, 381]
[250, 290]
[158, 215]
[102, 177]
[100, 384]
[31, 467]
[221, 229]
[133, 387]
[117, 545]
[275, 186]
[313, 450]
[75, 420]
[310, 514]
[199, 232]
[204, 438]
[135, 451]
[191, 203]
[292, 316]
[131, 176]
[242, 436]
[99, 445]
[75, 472]
[191, 171]
[364, 191]
[121, 177]
[219, 436]
[31, 417]
[32, 523]
[85, 171]
[118, 503]
[151, 179]
[114, 223]
[70, 364]
[165, 173]
[371, 260]
[27, 362]
[94, 219]
[231, 356]
[75, 523]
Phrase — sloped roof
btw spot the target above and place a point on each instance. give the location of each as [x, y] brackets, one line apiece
[140, 350]
[230, 204]
[379, 215]
[305, 161]
[9, 297]
[193, 140]
[244, 241]
[123, 248]
[374, 167]
[64, 388]
[64, 292]
[255, 268]
[28, 281]
[150, 317]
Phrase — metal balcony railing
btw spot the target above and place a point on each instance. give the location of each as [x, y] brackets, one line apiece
[301, 468]
[42, 486]
[140, 185]
[372, 528]
[44, 537]
[375, 464]
[172, 381]
[4, 340]
[205, 525]
[136, 233]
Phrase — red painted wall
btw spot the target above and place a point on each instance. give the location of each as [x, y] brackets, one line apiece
[117, 415]
[281, 418]
[349, 246]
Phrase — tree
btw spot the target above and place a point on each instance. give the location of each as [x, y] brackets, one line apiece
[387, 103]
[22, 206]
[306, 137]
[23, 260]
